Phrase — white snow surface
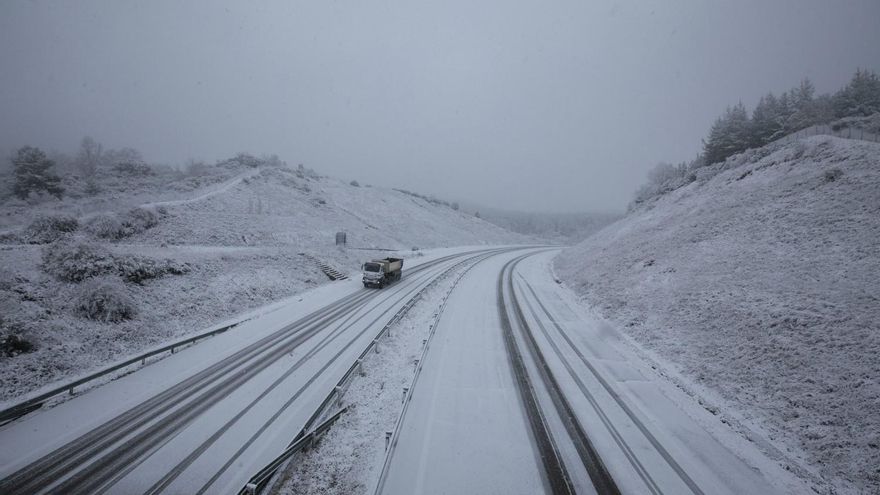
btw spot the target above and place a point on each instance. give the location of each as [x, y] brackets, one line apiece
[241, 236]
[348, 459]
[466, 432]
[42, 431]
[757, 290]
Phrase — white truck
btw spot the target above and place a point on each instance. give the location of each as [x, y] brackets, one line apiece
[379, 273]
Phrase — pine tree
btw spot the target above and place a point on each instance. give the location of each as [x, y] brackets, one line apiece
[804, 112]
[738, 131]
[861, 97]
[765, 120]
[713, 144]
[33, 173]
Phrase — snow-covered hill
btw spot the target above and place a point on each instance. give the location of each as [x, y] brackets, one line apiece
[760, 283]
[236, 232]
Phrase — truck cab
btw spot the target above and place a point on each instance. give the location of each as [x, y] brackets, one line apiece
[378, 273]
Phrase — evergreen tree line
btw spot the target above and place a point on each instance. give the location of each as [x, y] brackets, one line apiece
[773, 117]
[796, 109]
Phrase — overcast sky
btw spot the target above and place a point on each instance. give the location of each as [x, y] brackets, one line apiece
[533, 105]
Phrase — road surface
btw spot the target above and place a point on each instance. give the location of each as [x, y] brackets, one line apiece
[523, 393]
[519, 392]
[207, 418]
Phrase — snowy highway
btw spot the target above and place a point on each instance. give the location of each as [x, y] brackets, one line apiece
[207, 418]
[524, 393]
[520, 391]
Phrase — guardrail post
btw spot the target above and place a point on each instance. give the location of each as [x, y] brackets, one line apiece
[360, 367]
[376, 346]
[339, 391]
[70, 390]
[405, 391]
[415, 363]
[387, 440]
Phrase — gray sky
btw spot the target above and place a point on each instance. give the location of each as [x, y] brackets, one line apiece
[550, 106]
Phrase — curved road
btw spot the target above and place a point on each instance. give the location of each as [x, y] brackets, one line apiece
[523, 393]
[207, 418]
[520, 392]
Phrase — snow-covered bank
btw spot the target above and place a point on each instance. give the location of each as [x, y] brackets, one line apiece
[240, 245]
[761, 284]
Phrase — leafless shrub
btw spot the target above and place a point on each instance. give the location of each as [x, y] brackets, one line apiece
[77, 261]
[137, 269]
[833, 174]
[49, 228]
[12, 345]
[133, 169]
[111, 226]
[106, 226]
[104, 299]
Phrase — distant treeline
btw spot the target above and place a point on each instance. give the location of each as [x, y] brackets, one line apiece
[558, 227]
[773, 118]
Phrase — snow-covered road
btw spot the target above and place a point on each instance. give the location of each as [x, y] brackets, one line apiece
[207, 418]
[467, 429]
[520, 391]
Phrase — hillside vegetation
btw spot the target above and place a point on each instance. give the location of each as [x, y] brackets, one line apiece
[853, 111]
[133, 255]
[759, 282]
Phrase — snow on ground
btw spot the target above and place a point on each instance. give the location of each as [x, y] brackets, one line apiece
[241, 240]
[348, 459]
[760, 284]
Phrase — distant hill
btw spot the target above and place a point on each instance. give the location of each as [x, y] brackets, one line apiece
[759, 282]
[563, 228]
[155, 254]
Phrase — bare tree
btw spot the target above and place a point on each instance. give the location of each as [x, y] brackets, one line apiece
[87, 162]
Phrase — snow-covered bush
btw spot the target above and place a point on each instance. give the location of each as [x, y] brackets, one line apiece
[141, 219]
[34, 173]
[77, 261]
[833, 174]
[13, 345]
[133, 169]
[106, 226]
[137, 269]
[111, 226]
[49, 228]
[242, 160]
[355, 183]
[664, 178]
[104, 299]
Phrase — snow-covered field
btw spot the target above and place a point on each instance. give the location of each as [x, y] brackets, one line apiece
[760, 284]
[240, 239]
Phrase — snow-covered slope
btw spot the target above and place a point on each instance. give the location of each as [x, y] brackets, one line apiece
[281, 206]
[761, 284]
[240, 234]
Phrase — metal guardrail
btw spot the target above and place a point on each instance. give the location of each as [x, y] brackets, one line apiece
[305, 437]
[34, 403]
[395, 434]
[259, 480]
